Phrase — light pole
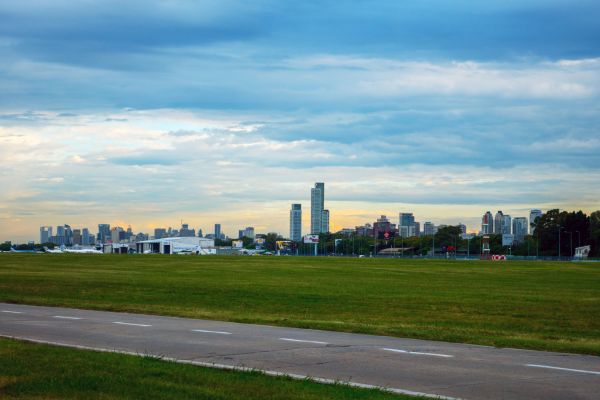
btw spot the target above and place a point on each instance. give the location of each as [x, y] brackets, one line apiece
[578, 239]
[571, 240]
[559, 228]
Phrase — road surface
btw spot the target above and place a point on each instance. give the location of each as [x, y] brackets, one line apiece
[404, 365]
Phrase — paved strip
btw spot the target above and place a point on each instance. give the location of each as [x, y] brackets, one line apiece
[583, 371]
[130, 324]
[418, 353]
[65, 317]
[474, 372]
[207, 331]
[11, 312]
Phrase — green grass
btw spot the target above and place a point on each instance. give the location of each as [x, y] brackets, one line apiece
[35, 371]
[535, 305]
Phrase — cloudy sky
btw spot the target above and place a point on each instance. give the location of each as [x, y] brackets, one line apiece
[149, 113]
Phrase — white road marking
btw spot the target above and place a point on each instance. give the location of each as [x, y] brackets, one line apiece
[65, 317]
[12, 312]
[418, 353]
[130, 323]
[302, 341]
[217, 332]
[583, 371]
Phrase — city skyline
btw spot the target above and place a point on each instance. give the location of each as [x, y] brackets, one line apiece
[207, 114]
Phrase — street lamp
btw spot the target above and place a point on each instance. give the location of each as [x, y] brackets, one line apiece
[571, 239]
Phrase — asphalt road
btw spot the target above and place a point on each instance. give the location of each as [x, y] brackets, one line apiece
[403, 365]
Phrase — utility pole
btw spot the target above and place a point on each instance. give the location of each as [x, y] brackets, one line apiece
[559, 227]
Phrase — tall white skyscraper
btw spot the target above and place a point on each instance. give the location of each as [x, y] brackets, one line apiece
[317, 206]
[296, 222]
[533, 215]
[45, 234]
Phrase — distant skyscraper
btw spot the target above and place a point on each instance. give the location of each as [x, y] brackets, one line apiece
[317, 206]
[487, 223]
[325, 222]
[185, 231]
[428, 228]
[519, 228]
[218, 231]
[117, 234]
[199, 232]
[498, 223]
[160, 233]
[407, 224]
[103, 233]
[296, 222]
[533, 215]
[45, 234]
[85, 237]
[506, 225]
[463, 228]
[417, 229]
[77, 237]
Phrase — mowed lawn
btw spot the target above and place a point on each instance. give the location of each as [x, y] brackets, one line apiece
[536, 305]
[35, 371]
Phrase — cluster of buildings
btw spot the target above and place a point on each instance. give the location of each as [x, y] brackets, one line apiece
[383, 227]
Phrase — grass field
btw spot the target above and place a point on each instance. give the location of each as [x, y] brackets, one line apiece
[536, 305]
[35, 371]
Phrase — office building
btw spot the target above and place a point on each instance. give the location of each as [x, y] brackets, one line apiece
[498, 223]
[463, 228]
[86, 240]
[325, 221]
[383, 225]
[533, 215]
[103, 233]
[417, 226]
[407, 224]
[506, 225]
[116, 234]
[185, 231]
[317, 207]
[199, 232]
[519, 228]
[217, 231]
[77, 239]
[160, 233]
[487, 224]
[428, 229]
[296, 222]
[45, 234]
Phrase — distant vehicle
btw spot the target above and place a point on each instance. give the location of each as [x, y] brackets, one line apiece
[22, 251]
[64, 249]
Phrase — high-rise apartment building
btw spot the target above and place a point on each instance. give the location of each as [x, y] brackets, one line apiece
[533, 215]
[116, 234]
[519, 228]
[296, 222]
[317, 208]
[498, 223]
[417, 226]
[487, 223]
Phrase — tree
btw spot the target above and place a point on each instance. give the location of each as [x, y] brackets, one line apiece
[594, 236]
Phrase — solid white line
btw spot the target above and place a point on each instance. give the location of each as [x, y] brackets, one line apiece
[583, 371]
[12, 312]
[64, 317]
[418, 353]
[238, 368]
[129, 323]
[302, 341]
[217, 332]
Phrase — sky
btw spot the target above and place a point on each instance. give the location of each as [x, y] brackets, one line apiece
[149, 113]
